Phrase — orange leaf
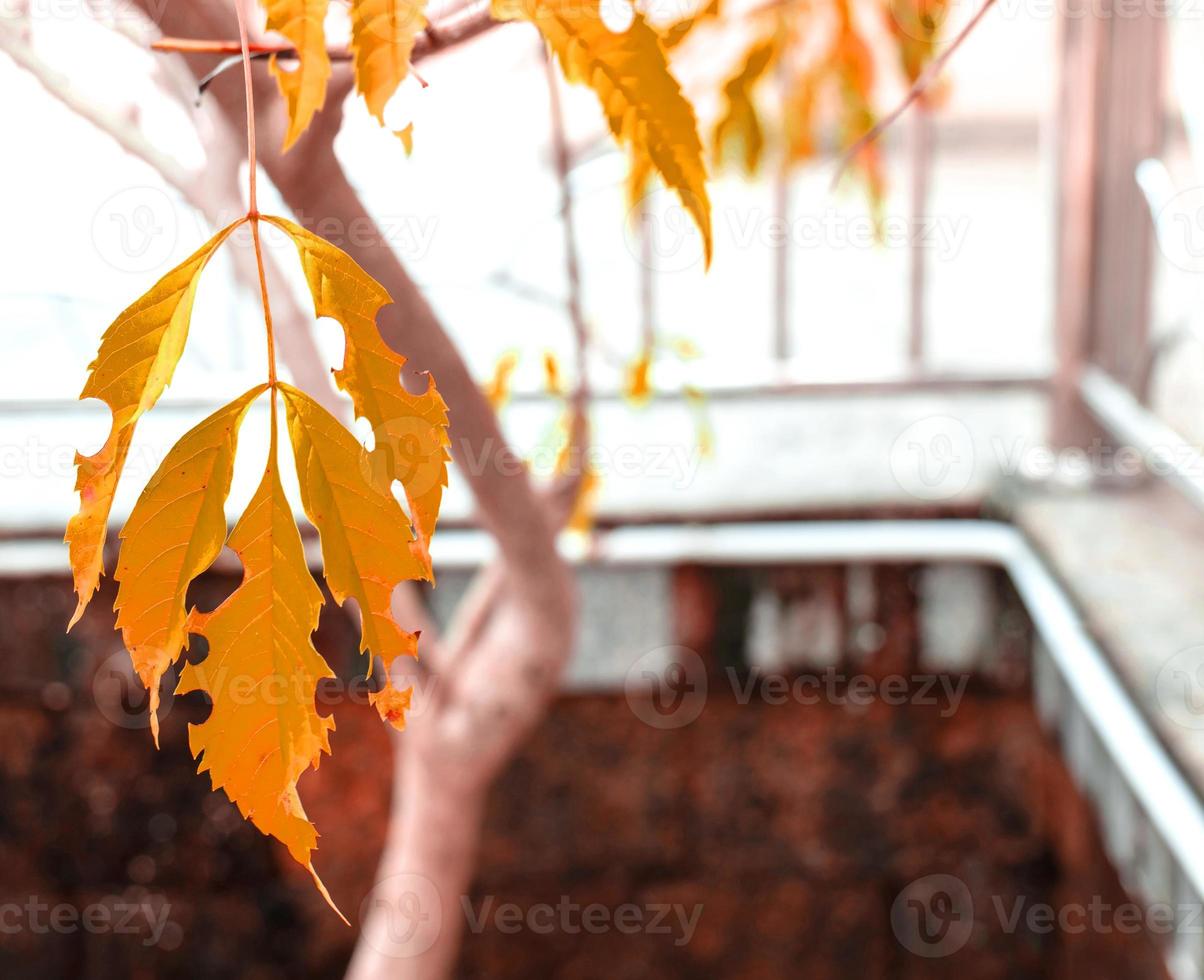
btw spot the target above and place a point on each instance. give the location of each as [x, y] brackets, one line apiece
[642, 101]
[410, 430]
[303, 22]
[637, 386]
[364, 534]
[137, 357]
[551, 374]
[261, 674]
[174, 533]
[382, 39]
[740, 125]
[677, 32]
[497, 392]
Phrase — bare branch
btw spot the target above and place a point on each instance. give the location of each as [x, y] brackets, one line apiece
[463, 25]
[129, 137]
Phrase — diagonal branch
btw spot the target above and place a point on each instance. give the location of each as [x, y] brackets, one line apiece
[922, 84]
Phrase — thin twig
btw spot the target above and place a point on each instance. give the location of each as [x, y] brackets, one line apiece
[253, 209]
[258, 49]
[250, 99]
[456, 28]
[572, 261]
[927, 77]
[226, 64]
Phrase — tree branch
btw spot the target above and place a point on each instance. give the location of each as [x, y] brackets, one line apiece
[450, 30]
[922, 84]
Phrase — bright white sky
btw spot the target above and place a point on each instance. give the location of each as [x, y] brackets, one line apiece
[474, 216]
[474, 210]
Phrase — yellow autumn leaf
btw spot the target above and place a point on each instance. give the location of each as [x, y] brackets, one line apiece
[176, 530]
[800, 120]
[382, 40]
[497, 391]
[137, 357]
[581, 519]
[303, 22]
[643, 103]
[364, 535]
[639, 174]
[410, 431]
[637, 385]
[406, 135]
[678, 31]
[572, 460]
[852, 69]
[552, 381]
[739, 127]
[261, 674]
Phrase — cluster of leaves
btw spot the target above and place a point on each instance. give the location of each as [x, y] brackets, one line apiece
[262, 669]
[820, 63]
[256, 746]
[816, 64]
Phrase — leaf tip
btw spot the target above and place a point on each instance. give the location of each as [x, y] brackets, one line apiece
[325, 894]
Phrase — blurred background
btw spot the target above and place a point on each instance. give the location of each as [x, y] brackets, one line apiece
[890, 659]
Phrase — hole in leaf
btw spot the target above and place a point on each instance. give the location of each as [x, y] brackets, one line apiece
[617, 15]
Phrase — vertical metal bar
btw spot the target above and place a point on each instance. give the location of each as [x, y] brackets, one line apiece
[647, 275]
[1130, 131]
[782, 347]
[1080, 52]
[1110, 119]
[921, 174]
